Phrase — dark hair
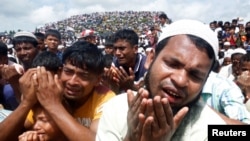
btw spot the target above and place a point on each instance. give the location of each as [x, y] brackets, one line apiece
[152, 28]
[235, 55]
[24, 39]
[47, 59]
[3, 49]
[216, 67]
[234, 20]
[39, 35]
[163, 15]
[126, 34]
[108, 42]
[220, 23]
[245, 58]
[53, 32]
[108, 58]
[85, 55]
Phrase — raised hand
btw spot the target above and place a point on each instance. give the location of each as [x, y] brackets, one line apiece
[31, 136]
[125, 80]
[49, 88]
[109, 79]
[27, 87]
[160, 124]
[10, 72]
[135, 116]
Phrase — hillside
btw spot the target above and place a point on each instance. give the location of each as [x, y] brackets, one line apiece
[104, 23]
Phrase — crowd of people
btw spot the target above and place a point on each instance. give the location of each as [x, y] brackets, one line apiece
[104, 22]
[160, 80]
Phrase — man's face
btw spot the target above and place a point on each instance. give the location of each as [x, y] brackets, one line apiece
[78, 83]
[91, 39]
[235, 59]
[41, 44]
[226, 47]
[212, 26]
[226, 61]
[162, 21]
[45, 126]
[52, 42]
[244, 66]
[26, 52]
[125, 52]
[109, 50]
[179, 71]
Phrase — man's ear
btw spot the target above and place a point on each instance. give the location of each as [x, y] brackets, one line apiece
[150, 58]
[98, 80]
[135, 49]
[45, 42]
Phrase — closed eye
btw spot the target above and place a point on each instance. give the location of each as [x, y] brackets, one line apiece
[196, 75]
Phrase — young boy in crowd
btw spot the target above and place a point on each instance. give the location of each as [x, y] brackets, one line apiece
[44, 128]
[52, 41]
[15, 121]
[40, 39]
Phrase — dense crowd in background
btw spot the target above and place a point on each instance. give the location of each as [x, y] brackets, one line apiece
[103, 23]
[79, 74]
[106, 23]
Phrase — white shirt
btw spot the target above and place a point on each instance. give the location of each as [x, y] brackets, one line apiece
[113, 123]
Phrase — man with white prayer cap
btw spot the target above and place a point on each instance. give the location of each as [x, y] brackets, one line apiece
[169, 107]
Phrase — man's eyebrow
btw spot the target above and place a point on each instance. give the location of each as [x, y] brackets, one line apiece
[197, 71]
[176, 61]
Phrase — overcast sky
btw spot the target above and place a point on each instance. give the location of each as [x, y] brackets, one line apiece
[27, 14]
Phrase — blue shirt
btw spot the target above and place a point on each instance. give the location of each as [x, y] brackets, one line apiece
[58, 53]
[139, 69]
[223, 95]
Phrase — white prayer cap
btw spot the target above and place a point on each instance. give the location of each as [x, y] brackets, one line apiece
[228, 55]
[226, 44]
[192, 27]
[239, 50]
[26, 34]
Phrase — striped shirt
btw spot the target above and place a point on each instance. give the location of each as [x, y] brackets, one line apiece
[223, 95]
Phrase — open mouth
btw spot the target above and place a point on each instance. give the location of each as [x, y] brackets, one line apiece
[120, 59]
[173, 94]
[25, 58]
[71, 91]
[173, 97]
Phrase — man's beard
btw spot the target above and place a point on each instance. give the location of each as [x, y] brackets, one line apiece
[174, 109]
